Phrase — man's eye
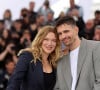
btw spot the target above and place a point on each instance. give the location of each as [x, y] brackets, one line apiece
[66, 31]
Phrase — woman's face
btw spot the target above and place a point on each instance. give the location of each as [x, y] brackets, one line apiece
[49, 43]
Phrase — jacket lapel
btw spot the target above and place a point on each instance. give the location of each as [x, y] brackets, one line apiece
[66, 70]
[81, 58]
[38, 70]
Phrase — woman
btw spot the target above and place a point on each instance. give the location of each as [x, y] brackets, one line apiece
[35, 69]
[7, 16]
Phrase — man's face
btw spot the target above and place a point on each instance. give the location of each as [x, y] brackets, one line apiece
[67, 34]
[32, 5]
[97, 35]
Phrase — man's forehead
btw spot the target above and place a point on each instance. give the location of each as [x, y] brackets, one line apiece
[64, 26]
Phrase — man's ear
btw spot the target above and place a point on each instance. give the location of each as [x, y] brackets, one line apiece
[76, 29]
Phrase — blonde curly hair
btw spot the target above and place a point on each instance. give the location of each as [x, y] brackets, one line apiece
[36, 49]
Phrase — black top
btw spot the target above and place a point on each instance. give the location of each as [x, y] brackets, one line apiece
[49, 80]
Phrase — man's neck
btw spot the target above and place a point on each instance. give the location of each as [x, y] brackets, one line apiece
[75, 44]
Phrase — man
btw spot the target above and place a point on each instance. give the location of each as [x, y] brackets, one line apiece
[32, 13]
[96, 17]
[80, 68]
[97, 33]
[73, 7]
[45, 9]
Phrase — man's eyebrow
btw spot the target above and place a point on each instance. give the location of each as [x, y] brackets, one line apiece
[63, 31]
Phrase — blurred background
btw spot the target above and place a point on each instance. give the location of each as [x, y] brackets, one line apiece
[15, 6]
[20, 21]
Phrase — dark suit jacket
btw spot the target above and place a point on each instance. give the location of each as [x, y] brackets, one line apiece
[27, 75]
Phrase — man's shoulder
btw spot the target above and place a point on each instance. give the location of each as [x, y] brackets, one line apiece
[91, 43]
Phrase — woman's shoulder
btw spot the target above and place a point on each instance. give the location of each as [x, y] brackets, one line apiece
[25, 55]
[24, 51]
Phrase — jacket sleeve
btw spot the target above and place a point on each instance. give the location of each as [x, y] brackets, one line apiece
[96, 60]
[20, 71]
